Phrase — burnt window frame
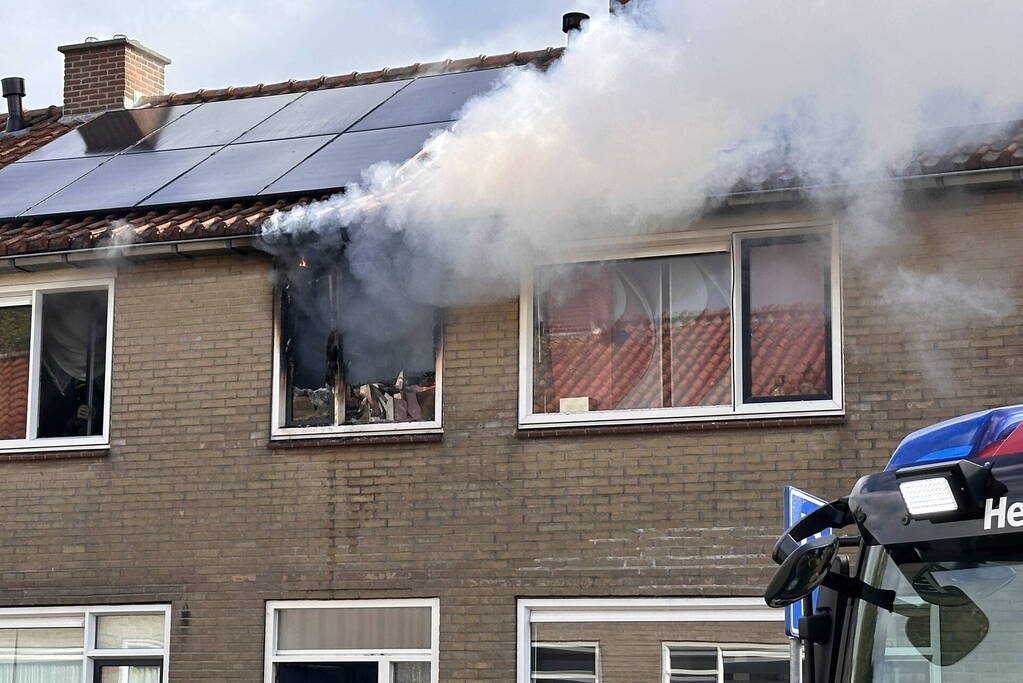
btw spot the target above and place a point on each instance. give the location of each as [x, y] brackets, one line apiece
[279, 412]
[32, 294]
[727, 239]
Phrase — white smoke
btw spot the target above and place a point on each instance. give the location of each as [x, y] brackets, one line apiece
[645, 117]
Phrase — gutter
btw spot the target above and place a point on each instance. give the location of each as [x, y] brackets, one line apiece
[1012, 176]
[83, 258]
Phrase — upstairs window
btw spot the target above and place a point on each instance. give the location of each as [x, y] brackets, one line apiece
[745, 326]
[346, 364]
[54, 366]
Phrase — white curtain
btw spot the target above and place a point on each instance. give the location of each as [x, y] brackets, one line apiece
[41, 672]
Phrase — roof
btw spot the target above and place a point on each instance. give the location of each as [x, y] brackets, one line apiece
[205, 220]
[976, 148]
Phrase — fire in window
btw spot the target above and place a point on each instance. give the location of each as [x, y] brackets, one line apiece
[354, 352]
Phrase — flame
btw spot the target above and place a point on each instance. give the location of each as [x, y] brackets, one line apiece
[302, 263]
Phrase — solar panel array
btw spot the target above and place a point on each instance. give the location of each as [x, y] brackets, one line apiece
[259, 146]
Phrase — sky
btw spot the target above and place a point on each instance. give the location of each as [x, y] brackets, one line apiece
[216, 43]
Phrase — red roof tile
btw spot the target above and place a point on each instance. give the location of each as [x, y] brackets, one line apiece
[44, 126]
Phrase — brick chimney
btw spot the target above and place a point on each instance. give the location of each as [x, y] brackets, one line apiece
[101, 75]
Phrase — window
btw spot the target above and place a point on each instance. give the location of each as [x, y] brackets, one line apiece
[710, 663]
[575, 662]
[358, 641]
[115, 644]
[55, 365]
[352, 358]
[587, 640]
[731, 327]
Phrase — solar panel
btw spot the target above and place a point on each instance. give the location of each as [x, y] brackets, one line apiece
[25, 184]
[323, 111]
[110, 133]
[238, 170]
[214, 123]
[342, 161]
[122, 182]
[431, 99]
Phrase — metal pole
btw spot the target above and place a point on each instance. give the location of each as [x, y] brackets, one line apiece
[795, 663]
[808, 664]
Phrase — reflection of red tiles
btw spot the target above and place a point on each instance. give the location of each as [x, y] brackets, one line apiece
[13, 395]
[625, 370]
[44, 125]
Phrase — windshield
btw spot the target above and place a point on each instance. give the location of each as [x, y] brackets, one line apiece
[954, 620]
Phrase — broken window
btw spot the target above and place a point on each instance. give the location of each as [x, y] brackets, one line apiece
[54, 353]
[348, 358]
[746, 328]
[391, 641]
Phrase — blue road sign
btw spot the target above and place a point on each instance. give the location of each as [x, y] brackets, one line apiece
[799, 504]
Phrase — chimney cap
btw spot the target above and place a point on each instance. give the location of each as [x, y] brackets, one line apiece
[119, 39]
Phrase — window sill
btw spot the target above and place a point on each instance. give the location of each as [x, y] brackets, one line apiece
[696, 426]
[284, 443]
[30, 455]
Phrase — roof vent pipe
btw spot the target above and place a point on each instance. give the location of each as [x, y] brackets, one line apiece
[572, 23]
[14, 90]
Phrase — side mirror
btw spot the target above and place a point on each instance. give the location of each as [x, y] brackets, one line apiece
[802, 571]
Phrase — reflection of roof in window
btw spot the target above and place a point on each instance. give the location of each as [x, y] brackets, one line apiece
[624, 371]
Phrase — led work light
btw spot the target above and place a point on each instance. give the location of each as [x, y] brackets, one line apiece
[925, 497]
[944, 490]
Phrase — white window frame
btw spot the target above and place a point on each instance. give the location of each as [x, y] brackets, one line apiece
[84, 616]
[32, 295]
[383, 656]
[572, 677]
[723, 240]
[279, 432]
[622, 610]
[724, 650]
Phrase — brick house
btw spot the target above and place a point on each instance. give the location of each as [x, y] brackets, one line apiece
[194, 490]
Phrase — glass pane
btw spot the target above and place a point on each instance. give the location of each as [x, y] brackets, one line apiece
[343, 358]
[327, 672]
[41, 655]
[144, 673]
[72, 368]
[694, 678]
[342, 162]
[237, 171]
[700, 319]
[109, 133]
[323, 112]
[354, 628]
[115, 632]
[214, 123]
[694, 659]
[122, 182]
[15, 339]
[24, 184]
[757, 668]
[787, 316]
[647, 333]
[564, 659]
[432, 99]
[410, 672]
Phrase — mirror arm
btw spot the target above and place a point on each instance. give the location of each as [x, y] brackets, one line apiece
[854, 588]
[834, 515]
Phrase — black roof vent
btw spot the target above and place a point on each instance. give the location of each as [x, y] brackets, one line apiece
[573, 22]
[14, 90]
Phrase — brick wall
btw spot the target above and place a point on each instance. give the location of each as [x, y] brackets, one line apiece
[109, 74]
[192, 507]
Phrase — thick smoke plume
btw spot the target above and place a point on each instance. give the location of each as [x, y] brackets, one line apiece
[647, 116]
